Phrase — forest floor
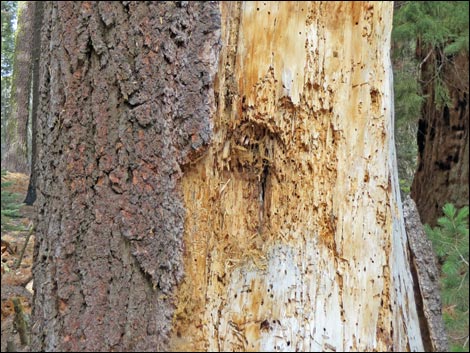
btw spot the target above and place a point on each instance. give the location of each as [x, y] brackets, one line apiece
[16, 282]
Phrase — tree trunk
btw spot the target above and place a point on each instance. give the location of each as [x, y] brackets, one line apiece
[16, 155]
[36, 56]
[126, 98]
[268, 218]
[8, 17]
[443, 137]
[294, 236]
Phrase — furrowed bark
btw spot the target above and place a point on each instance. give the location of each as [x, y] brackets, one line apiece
[126, 99]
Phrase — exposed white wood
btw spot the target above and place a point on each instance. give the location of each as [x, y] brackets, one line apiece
[294, 233]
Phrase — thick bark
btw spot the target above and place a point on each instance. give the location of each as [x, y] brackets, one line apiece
[125, 99]
[294, 235]
[16, 154]
[426, 275]
[443, 137]
[285, 218]
[36, 56]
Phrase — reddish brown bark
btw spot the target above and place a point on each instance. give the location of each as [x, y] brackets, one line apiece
[126, 97]
[443, 141]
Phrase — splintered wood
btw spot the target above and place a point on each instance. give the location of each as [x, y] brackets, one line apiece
[294, 235]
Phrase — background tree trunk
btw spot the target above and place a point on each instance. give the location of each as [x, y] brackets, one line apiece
[36, 55]
[8, 16]
[443, 136]
[16, 154]
[279, 203]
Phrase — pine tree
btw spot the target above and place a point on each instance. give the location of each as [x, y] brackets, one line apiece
[450, 241]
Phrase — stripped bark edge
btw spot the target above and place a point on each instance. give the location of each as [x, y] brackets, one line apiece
[426, 274]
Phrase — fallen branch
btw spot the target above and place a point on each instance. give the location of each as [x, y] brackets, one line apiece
[20, 321]
[20, 259]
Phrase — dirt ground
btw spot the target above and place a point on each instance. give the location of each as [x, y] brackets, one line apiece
[16, 282]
